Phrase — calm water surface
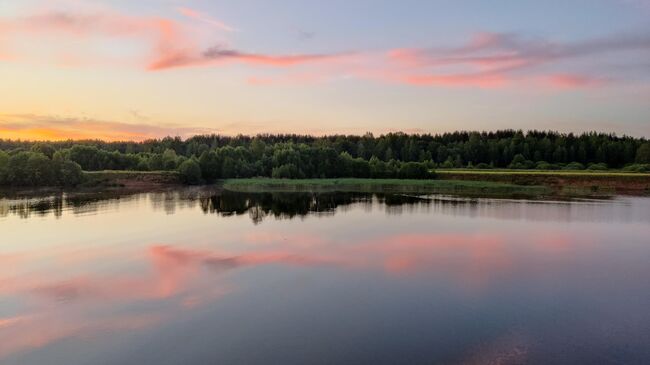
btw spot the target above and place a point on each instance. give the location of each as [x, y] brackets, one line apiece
[196, 277]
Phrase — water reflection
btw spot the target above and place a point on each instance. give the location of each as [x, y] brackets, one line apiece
[290, 205]
[260, 206]
[360, 278]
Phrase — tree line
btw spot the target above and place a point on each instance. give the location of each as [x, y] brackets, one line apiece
[29, 168]
[393, 155]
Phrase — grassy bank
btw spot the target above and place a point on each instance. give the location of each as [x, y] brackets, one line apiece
[505, 183]
[478, 188]
[581, 173]
[564, 182]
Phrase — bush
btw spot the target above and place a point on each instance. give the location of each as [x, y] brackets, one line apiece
[448, 164]
[143, 165]
[190, 172]
[88, 157]
[597, 166]
[574, 166]
[377, 168]
[17, 174]
[155, 162]
[4, 160]
[359, 168]
[413, 170]
[286, 171]
[70, 174]
[543, 165]
[482, 166]
[637, 167]
[210, 163]
[40, 170]
[169, 159]
[519, 162]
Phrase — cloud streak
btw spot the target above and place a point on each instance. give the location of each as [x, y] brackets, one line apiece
[172, 44]
[194, 14]
[41, 127]
[217, 55]
[496, 59]
[486, 60]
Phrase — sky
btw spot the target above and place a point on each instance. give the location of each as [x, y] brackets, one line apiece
[133, 70]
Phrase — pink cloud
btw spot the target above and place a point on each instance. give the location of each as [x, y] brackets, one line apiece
[162, 35]
[194, 14]
[172, 43]
[489, 51]
[494, 59]
[291, 79]
[85, 305]
[482, 81]
[35, 331]
[218, 55]
[485, 60]
[570, 81]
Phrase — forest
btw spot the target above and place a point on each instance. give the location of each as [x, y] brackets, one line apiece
[208, 158]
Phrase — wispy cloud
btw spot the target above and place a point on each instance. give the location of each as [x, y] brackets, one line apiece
[501, 52]
[494, 59]
[171, 43]
[162, 36]
[42, 127]
[486, 60]
[219, 55]
[573, 81]
[194, 14]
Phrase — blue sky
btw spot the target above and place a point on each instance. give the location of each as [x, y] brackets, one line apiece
[124, 69]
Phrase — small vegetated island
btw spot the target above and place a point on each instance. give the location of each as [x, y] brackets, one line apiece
[504, 162]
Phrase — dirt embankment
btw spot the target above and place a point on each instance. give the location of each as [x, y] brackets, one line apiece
[617, 183]
[131, 179]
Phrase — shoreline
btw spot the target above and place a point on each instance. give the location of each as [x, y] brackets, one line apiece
[489, 183]
[398, 186]
[597, 182]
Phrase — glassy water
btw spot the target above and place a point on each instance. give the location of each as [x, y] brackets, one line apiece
[200, 277]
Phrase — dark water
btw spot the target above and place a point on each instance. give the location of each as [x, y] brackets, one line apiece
[195, 277]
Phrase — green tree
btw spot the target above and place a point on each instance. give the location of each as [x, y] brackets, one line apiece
[85, 156]
[190, 171]
[258, 147]
[143, 164]
[155, 162]
[413, 170]
[520, 162]
[70, 174]
[377, 168]
[17, 174]
[229, 168]
[210, 163]
[40, 170]
[43, 148]
[286, 171]
[169, 159]
[643, 153]
[4, 161]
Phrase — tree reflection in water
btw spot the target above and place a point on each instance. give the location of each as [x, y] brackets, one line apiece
[290, 205]
[287, 205]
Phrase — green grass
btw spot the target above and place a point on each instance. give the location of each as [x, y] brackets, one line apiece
[583, 173]
[483, 188]
[129, 172]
